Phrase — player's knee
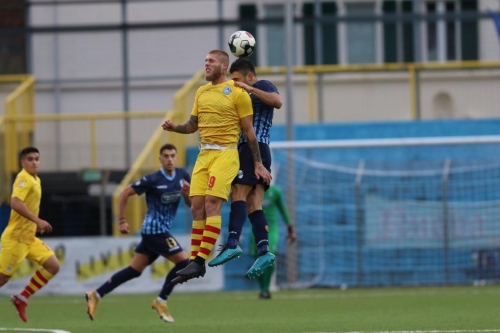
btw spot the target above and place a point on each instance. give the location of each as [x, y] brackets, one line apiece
[198, 208]
[4, 279]
[55, 269]
[132, 273]
[240, 192]
[213, 205]
[52, 265]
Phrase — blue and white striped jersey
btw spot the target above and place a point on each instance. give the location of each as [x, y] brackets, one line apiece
[163, 194]
[262, 114]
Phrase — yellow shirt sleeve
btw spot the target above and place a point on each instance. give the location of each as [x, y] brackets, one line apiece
[21, 188]
[194, 111]
[243, 102]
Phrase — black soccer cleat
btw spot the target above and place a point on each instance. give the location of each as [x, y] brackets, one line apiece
[191, 271]
[265, 295]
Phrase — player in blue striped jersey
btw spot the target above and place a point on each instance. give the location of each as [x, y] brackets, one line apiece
[247, 192]
[163, 190]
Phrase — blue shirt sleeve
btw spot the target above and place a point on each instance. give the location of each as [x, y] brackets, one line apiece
[142, 185]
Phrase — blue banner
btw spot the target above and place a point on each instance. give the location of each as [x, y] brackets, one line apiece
[420, 224]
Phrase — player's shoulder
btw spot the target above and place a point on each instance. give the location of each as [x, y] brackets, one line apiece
[204, 87]
[234, 88]
[150, 176]
[25, 177]
[266, 85]
[181, 171]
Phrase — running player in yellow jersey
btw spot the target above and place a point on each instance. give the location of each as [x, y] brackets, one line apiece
[19, 239]
[220, 109]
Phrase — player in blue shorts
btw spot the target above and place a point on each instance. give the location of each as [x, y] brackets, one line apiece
[164, 190]
[247, 192]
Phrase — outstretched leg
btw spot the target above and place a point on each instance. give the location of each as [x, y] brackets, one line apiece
[39, 253]
[160, 303]
[137, 266]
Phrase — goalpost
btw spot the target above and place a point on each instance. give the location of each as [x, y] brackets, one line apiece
[397, 211]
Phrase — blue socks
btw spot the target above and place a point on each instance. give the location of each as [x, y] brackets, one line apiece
[117, 279]
[259, 224]
[237, 219]
[168, 286]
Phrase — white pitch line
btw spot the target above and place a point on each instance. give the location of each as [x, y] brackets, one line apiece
[33, 330]
[431, 331]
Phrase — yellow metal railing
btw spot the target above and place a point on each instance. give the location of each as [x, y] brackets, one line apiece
[147, 160]
[411, 68]
[15, 136]
[92, 118]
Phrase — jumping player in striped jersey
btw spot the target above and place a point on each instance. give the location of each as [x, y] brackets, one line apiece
[248, 191]
[163, 190]
[221, 109]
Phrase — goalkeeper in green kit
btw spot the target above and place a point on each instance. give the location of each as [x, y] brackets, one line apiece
[272, 204]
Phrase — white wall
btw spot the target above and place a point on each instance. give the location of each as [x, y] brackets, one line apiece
[171, 56]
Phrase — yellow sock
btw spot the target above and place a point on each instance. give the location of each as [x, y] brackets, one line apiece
[196, 236]
[210, 235]
[38, 280]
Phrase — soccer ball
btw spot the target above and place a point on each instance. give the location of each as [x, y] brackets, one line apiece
[241, 43]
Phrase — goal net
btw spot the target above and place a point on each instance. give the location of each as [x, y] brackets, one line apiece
[381, 212]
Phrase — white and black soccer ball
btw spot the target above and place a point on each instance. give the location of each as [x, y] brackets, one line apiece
[241, 43]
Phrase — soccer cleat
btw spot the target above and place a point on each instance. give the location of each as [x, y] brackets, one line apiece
[191, 271]
[265, 295]
[92, 301]
[162, 310]
[260, 265]
[20, 306]
[225, 255]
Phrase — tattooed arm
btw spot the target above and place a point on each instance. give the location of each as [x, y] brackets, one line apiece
[260, 170]
[188, 127]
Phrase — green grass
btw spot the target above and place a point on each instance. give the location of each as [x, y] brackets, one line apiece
[467, 309]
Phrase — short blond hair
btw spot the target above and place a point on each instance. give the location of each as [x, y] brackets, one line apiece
[221, 55]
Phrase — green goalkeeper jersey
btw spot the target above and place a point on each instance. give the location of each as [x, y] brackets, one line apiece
[272, 204]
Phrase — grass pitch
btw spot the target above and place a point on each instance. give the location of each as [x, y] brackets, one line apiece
[408, 310]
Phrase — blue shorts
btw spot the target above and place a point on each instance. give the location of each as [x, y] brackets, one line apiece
[246, 174]
[158, 245]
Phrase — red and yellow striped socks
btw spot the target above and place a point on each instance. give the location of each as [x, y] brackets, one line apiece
[210, 235]
[196, 236]
[38, 280]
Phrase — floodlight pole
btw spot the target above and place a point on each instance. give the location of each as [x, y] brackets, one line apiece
[291, 260]
[220, 28]
[289, 44]
[126, 85]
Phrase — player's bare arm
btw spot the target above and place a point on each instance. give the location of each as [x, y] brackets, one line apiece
[19, 207]
[188, 127]
[185, 192]
[123, 224]
[260, 170]
[272, 99]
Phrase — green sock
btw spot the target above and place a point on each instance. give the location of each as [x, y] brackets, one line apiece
[265, 279]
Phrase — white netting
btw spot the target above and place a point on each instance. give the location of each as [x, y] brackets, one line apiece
[413, 213]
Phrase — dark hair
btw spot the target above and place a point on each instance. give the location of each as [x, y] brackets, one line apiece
[167, 146]
[28, 150]
[242, 65]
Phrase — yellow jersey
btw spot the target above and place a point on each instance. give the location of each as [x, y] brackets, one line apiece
[219, 109]
[28, 189]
